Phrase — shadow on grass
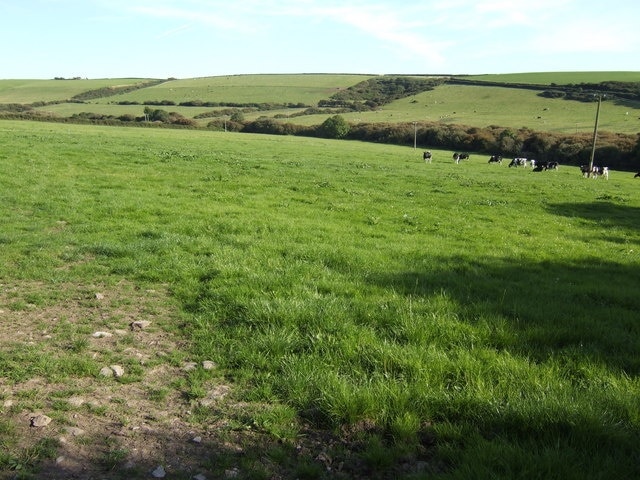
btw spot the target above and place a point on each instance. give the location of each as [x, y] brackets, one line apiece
[603, 212]
[589, 308]
[572, 313]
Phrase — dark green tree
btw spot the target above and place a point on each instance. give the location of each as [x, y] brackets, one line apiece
[335, 127]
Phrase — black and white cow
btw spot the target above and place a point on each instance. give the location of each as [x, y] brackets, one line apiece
[426, 156]
[636, 175]
[595, 171]
[495, 159]
[518, 162]
[540, 166]
[460, 156]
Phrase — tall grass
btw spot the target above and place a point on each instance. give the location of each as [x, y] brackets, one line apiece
[480, 319]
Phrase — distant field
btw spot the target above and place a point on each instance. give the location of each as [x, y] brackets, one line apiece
[307, 89]
[475, 106]
[478, 106]
[30, 91]
[560, 78]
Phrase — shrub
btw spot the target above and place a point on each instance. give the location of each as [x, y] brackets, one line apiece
[335, 127]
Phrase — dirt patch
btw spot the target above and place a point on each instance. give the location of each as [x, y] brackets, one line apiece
[105, 370]
[104, 426]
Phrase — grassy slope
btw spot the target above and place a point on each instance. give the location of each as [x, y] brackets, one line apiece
[30, 91]
[560, 78]
[485, 314]
[307, 89]
[483, 106]
[468, 105]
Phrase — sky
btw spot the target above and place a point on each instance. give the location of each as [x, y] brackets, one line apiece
[44, 39]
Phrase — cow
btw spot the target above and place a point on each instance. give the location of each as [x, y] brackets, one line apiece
[594, 171]
[636, 175]
[585, 170]
[539, 167]
[426, 156]
[460, 156]
[518, 162]
[495, 159]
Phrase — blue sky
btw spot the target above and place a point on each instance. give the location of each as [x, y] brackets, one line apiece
[197, 38]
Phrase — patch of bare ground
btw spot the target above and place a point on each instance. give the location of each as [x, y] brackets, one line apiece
[128, 418]
[132, 415]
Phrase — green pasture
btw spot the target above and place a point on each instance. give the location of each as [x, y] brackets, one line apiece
[433, 321]
[478, 106]
[559, 78]
[243, 89]
[31, 91]
[69, 109]
[474, 106]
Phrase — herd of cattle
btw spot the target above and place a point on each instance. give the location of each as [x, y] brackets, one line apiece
[588, 172]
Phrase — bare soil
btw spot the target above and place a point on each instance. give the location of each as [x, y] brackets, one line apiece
[109, 427]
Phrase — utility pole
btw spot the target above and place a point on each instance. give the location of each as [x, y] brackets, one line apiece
[595, 135]
[415, 135]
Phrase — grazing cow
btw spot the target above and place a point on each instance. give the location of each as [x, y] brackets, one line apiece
[594, 171]
[636, 175]
[426, 156]
[545, 166]
[460, 156]
[518, 162]
[495, 159]
[532, 162]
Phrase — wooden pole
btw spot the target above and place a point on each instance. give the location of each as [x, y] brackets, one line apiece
[595, 135]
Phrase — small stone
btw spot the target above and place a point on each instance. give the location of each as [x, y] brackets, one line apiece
[208, 365]
[139, 324]
[117, 370]
[40, 421]
[232, 473]
[99, 296]
[75, 431]
[159, 472]
[197, 439]
[189, 366]
[199, 476]
[102, 334]
[106, 372]
[75, 401]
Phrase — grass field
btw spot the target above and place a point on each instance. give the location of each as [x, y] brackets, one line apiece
[477, 106]
[473, 106]
[560, 78]
[30, 91]
[369, 315]
[283, 89]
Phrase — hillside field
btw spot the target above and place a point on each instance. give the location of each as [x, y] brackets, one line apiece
[251, 306]
[473, 106]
